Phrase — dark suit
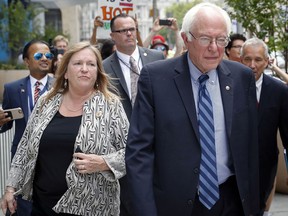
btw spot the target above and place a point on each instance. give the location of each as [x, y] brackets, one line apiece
[163, 150]
[113, 68]
[16, 95]
[272, 115]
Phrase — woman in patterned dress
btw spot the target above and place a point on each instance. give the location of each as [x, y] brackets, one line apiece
[71, 154]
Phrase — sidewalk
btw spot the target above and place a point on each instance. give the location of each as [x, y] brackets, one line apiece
[279, 205]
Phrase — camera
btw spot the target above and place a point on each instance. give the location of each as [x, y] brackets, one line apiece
[54, 50]
[165, 22]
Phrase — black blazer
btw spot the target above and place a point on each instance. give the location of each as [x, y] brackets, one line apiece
[272, 115]
[163, 150]
[113, 68]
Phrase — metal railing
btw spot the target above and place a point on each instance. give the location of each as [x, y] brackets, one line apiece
[5, 156]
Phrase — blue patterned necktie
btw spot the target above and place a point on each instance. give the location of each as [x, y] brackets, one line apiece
[208, 180]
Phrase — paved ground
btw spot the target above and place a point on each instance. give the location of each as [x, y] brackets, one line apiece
[279, 205]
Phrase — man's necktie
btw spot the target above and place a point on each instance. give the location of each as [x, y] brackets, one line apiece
[208, 180]
[134, 76]
[37, 91]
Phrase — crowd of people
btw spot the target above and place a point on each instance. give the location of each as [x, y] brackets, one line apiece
[125, 129]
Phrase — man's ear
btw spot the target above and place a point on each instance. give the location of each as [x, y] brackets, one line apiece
[26, 61]
[185, 38]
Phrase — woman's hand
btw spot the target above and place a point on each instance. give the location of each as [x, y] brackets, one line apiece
[8, 201]
[89, 163]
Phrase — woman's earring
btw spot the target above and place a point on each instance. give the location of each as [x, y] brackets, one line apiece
[65, 84]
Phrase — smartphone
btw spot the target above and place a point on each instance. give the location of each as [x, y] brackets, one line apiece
[15, 113]
[165, 22]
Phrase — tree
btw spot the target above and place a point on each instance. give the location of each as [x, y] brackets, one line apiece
[178, 11]
[18, 25]
[265, 19]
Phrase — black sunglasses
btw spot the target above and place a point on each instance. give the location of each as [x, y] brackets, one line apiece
[38, 56]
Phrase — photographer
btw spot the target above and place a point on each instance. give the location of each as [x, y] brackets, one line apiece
[58, 48]
[157, 26]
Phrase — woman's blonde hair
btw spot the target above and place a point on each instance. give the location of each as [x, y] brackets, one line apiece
[102, 83]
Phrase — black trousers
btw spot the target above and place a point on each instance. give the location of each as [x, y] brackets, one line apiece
[229, 203]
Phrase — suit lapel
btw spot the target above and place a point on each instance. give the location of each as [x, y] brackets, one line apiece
[23, 94]
[118, 72]
[184, 86]
[145, 58]
[50, 82]
[264, 98]
[226, 89]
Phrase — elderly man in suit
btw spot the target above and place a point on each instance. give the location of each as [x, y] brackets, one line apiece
[192, 144]
[272, 97]
[124, 67]
[24, 93]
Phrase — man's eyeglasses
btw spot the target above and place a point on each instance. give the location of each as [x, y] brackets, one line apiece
[125, 31]
[206, 41]
[38, 56]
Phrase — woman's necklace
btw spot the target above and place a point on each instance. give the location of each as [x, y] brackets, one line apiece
[71, 110]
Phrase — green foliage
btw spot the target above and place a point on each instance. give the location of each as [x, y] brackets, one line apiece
[19, 25]
[12, 66]
[50, 33]
[178, 11]
[16, 27]
[266, 19]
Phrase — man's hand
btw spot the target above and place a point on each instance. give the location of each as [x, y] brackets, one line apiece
[3, 118]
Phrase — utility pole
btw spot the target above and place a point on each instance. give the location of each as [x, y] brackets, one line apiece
[155, 11]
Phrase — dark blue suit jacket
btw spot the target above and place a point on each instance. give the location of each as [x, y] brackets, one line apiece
[272, 115]
[113, 69]
[163, 150]
[16, 95]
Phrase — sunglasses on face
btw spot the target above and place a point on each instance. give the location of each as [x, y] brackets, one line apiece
[160, 48]
[38, 56]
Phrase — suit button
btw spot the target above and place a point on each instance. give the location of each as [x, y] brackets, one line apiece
[190, 202]
[243, 200]
[196, 170]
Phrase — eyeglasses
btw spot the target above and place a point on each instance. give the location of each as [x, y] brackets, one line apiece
[160, 48]
[125, 31]
[206, 41]
[237, 46]
[38, 56]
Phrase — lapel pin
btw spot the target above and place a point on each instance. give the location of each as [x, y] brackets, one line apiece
[145, 54]
[227, 88]
[98, 114]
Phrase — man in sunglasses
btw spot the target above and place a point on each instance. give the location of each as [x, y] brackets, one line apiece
[124, 67]
[24, 93]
